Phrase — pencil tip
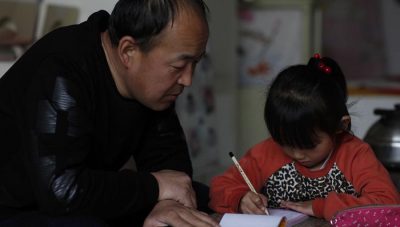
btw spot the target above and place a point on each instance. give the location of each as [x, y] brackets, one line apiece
[231, 154]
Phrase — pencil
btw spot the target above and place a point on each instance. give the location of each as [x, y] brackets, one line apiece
[244, 176]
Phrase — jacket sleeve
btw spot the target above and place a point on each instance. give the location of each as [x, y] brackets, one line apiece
[57, 141]
[227, 189]
[164, 145]
[370, 179]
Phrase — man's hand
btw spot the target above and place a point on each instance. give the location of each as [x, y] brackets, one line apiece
[302, 207]
[252, 203]
[176, 186]
[172, 213]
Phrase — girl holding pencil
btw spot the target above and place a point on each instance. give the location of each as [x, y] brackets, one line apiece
[312, 163]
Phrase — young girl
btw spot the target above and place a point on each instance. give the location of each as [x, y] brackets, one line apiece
[312, 163]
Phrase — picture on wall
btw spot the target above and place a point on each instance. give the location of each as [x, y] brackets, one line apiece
[58, 16]
[272, 36]
[17, 28]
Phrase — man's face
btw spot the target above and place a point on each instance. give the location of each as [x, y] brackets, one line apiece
[157, 77]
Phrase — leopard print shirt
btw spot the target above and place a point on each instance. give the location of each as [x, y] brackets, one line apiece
[287, 184]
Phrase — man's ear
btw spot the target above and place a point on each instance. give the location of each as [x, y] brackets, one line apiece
[127, 48]
[344, 123]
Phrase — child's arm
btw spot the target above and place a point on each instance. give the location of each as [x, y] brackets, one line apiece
[368, 176]
[226, 190]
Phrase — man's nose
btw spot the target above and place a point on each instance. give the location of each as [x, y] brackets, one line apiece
[186, 78]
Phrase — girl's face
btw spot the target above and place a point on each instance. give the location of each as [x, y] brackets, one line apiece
[312, 158]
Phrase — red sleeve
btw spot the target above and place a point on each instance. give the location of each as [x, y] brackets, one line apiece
[226, 190]
[368, 176]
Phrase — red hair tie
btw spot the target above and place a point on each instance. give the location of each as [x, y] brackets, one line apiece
[324, 68]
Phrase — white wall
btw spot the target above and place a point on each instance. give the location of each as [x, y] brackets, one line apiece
[4, 66]
[222, 42]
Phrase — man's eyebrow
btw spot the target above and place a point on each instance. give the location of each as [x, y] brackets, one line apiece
[191, 57]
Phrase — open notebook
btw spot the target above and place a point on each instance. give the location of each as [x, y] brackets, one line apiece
[277, 218]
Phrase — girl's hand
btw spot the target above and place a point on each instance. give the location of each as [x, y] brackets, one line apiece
[302, 207]
[252, 203]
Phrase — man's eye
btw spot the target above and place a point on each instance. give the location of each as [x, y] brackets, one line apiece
[178, 67]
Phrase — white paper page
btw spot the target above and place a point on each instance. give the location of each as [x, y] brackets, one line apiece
[249, 220]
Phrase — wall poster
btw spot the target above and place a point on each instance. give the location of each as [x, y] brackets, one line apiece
[272, 36]
[17, 27]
